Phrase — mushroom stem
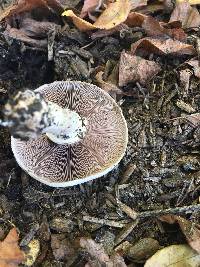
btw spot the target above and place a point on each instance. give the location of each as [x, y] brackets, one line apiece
[28, 115]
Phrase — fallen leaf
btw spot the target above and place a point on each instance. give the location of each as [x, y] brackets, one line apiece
[152, 8]
[174, 256]
[28, 5]
[133, 68]
[110, 88]
[137, 3]
[115, 14]
[193, 119]
[143, 249]
[88, 6]
[194, 63]
[153, 28]
[102, 33]
[37, 29]
[135, 19]
[61, 247]
[187, 15]
[21, 36]
[80, 23]
[191, 2]
[99, 256]
[20, 6]
[162, 47]
[10, 253]
[189, 229]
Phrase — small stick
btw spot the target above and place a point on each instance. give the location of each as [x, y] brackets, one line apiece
[104, 221]
[177, 210]
[128, 172]
[126, 209]
[125, 232]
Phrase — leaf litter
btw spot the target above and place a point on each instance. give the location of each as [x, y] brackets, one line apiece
[10, 253]
[144, 52]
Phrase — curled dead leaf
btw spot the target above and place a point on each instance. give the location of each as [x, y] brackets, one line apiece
[194, 63]
[154, 28]
[37, 29]
[162, 47]
[190, 230]
[23, 37]
[80, 23]
[109, 87]
[133, 68]
[137, 3]
[135, 19]
[174, 256]
[99, 256]
[27, 5]
[88, 6]
[115, 14]
[10, 253]
[187, 15]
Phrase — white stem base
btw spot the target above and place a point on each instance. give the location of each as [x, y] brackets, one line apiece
[66, 126]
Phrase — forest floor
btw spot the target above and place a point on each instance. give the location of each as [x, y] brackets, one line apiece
[159, 174]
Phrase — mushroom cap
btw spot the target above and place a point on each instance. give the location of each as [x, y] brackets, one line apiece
[100, 150]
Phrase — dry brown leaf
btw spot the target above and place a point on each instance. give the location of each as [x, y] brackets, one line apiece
[137, 3]
[152, 8]
[109, 87]
[81, 24]
[189, 229]
[194, 63]
[135, 19]
[174, 256]
[162, 47]
[37, 29]
[99, 256]
[133, 69]
[10, 253]
[88, 6]
[155, 29]
[21, 36]
[28, 5]
[115, 14]
[193, 119]
[187, 15]
[21, 6]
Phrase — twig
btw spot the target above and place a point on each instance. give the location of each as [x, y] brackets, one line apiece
[128, 172]
[125, 232]
[104, 221]
[177, 210]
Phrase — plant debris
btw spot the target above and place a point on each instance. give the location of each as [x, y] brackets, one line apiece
[175, 256]
[187, 15]
[136, 69]
[145, 54]
[10, 253]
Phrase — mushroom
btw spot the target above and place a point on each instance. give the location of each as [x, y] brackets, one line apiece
[66, 133]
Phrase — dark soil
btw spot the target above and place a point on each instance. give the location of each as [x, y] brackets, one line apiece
[160, 170]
